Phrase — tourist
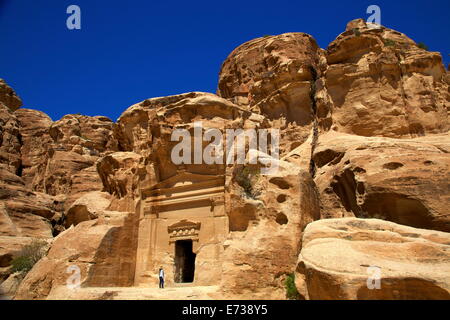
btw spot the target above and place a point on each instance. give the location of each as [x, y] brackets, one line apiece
[161, 277]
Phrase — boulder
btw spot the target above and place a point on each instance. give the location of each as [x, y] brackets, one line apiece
[85, 250]
[87, 207]
[9, 287]
[343, 259]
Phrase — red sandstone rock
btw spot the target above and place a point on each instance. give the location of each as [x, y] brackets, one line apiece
[35, 138]
[364, 133]
[378, 82]
[337, 253]
[8, 96]
[404, 181]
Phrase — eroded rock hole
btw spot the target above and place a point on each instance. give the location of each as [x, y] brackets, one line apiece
[5, 260]
[76, 215]
[328, 157]
[397, 208]
[280, 183]
[184, 261]
[416, 129]
[20, 170]
[345, 187]
[281, 218]
[392, 165]
[281, 198]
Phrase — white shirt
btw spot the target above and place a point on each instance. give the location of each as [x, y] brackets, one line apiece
[161, 273]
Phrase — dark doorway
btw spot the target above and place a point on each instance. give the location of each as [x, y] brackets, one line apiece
[184, 261]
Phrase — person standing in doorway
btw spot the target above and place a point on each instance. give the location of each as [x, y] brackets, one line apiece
[161, 278]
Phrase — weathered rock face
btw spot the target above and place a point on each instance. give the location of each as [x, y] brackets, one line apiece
[265, 232]
[142, 124]
[378, 82]
[85, 248]
[258, 72]
[35, 138]
[93, 134]
[45, 166]
[9, 246]
[337, 253]
[8, 96]
[26, 213]
[87, 207]
[222, 255]
[78, 142]
[24, 216]
[117, 172]
[9, 287]
[363, 134]
[404, 181]
[275, 76]
[10, 140]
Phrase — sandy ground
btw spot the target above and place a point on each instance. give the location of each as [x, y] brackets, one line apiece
[135, 293]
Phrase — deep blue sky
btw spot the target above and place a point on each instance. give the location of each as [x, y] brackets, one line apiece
[128, 51]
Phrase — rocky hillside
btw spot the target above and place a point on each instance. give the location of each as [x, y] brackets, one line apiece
[363, 177]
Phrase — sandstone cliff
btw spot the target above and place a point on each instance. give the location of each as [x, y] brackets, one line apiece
[363, 180]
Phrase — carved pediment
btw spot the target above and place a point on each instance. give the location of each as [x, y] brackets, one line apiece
[184, 229]
[184, 224]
